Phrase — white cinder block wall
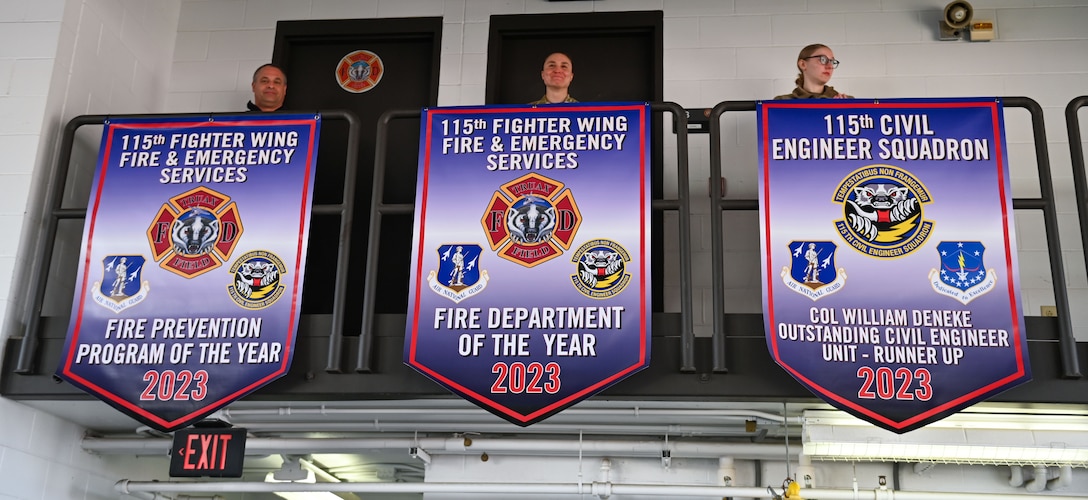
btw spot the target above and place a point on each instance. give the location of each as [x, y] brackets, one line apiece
[60, 59]
[63, 58]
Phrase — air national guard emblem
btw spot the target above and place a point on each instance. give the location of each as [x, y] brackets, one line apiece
[458, 276]
[812, 270]
[531, 220]
[257, 277]
[121, 286]
[882, 208]
[962, 275]
[359, 71]
[602, 269]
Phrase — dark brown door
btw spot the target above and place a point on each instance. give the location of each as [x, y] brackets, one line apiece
[616, 56]
[310, 53]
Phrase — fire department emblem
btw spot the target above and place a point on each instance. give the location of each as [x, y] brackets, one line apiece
[359, 71]
[459, 275]
[962, 274]
[121, 286]
[257, 277]
[812, 270]
[194, 232]
[602, 269]
[531, 220]
[882, 208]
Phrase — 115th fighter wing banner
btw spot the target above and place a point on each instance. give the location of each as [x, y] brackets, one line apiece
[530, 280]
[889, 259]
[190, 276]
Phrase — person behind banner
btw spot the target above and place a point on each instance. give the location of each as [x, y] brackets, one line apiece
[269, 89]
[816, 64]
[557, 74]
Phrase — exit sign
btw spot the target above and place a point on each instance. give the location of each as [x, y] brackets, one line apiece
[208, 452]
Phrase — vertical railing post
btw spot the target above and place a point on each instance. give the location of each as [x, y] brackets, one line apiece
[682, 204]
[378, 208]
[1080, 180]
[717, 250]
[1066, 341]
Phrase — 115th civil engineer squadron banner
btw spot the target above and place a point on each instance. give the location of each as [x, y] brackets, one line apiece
[889, 259]
[190, 277]
[530, 280]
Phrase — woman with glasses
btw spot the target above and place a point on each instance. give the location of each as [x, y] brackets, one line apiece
[816, 63]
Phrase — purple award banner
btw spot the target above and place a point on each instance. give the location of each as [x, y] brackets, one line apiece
[191, 266]
[530, 280]
[890, 276]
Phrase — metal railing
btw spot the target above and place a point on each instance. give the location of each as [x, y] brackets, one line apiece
[1080, 180]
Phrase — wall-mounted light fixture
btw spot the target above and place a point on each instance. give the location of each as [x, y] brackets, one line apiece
[964, 438]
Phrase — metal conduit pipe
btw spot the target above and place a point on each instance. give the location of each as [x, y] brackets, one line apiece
[144, 495]
[408, 428]
[236, 416]
[129, 487]
[558, 447]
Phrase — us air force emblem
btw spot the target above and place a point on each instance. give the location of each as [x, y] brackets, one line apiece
[257, 276]
[359, 71]
[882, 208]
[531, 220]
[602, 269]
[194, 232]
[962, 275]
[121, 286]
[812, 270]
[459, 275]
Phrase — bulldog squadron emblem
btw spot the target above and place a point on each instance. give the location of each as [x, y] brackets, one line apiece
[257, 279]
[882, 208]
[962, 275]
[602, 269]
[459, 275]
[121, 286]
[812, 270]
[531, 220]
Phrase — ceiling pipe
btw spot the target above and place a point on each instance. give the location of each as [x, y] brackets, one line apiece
[1062, 479]
[1016, 476]
[483, 428]
[145, 495]
[1038, 483]
[806, 473]
[127, 486]
[457, 445]
[605, 477]
[236, 415]
[727, 471]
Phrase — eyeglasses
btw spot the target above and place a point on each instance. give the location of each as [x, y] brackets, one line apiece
[825, 60]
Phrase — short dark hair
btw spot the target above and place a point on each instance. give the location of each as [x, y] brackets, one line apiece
[268, 65]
